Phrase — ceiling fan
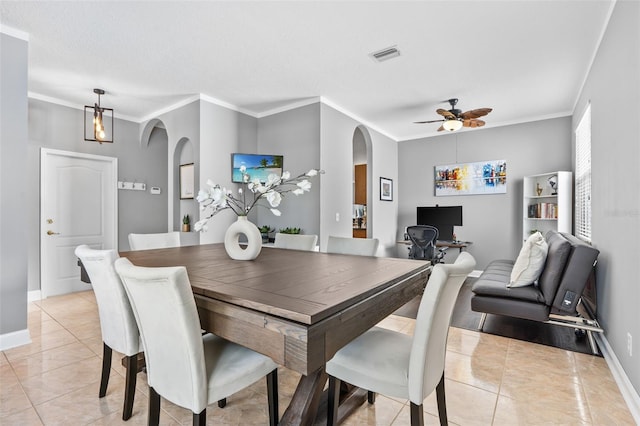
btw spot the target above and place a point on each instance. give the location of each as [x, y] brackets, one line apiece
[454, 119]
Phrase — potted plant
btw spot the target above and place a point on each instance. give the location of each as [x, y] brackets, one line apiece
[264, 231]
[290, 230]
[186, 227]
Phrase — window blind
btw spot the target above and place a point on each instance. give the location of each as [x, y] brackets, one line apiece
[583, 177]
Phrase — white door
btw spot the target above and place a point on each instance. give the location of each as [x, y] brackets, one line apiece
[78, 205]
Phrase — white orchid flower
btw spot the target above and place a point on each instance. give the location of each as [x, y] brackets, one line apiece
[305, 185]
[275, 212]
[297, 191]
[211, 183]
[243, 169]
[261, 189]
[312, 172]
[273, 180]
[239, 190]
[274, 198]
[202, 196]
[286, 175]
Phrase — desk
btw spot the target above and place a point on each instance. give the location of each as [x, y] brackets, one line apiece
[460, 245]
[297, 307]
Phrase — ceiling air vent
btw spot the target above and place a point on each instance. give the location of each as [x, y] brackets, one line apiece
[385, 54]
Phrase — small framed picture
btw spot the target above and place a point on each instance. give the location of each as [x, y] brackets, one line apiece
[386, 189]
[186, 181]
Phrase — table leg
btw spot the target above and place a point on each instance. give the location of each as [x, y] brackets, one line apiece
[306, 399]
[309, 403]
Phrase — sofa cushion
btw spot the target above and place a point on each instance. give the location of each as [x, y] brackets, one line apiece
[530, 261]
[495, 285]
[557, 255]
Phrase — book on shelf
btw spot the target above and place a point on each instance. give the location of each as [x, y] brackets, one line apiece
[543, 211]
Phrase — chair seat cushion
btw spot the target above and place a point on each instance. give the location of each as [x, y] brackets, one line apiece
[383, 351]
[231, 367]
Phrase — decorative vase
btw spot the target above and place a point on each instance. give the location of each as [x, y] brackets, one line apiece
[247, 251]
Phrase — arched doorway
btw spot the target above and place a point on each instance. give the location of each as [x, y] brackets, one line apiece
[362, 191]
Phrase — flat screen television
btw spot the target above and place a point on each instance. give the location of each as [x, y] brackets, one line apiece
[259, 166]
[442, 217]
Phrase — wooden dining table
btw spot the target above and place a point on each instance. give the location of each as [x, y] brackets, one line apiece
[297, 307]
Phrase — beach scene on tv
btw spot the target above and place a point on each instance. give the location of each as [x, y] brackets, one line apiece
[258, 166]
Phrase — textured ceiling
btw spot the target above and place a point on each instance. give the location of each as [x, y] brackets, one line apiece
[525, 59]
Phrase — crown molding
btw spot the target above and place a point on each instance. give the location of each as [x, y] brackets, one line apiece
[356, 118]
[14, 32]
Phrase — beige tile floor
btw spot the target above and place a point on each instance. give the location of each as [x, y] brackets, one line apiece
[490, 380]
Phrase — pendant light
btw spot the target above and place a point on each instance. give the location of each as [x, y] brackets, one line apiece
[98, 121]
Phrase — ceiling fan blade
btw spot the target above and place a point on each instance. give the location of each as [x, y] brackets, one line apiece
[441, 128]
[472, 122]
[429, 121]
[475, 113]
[446, 114]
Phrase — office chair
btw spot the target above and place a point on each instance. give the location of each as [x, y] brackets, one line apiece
[423, 243]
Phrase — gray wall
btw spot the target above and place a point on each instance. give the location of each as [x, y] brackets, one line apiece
[613, 88]
[492, 222]
[296, 135]
[13, 171]
[60, 127]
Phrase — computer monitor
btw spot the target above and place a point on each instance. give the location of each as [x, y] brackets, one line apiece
[442, 217]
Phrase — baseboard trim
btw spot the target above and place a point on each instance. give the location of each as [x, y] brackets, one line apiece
[629, 393]
[34, 295]
[14, 339]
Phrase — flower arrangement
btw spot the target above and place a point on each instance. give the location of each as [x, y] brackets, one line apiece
[217, 198]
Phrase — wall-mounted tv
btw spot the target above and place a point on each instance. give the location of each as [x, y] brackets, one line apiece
[259, 166]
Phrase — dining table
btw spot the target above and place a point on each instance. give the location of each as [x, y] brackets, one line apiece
[297, 307]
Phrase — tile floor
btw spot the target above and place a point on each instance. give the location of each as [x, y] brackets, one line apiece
[491, 380]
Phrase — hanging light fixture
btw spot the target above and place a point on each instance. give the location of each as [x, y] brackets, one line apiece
[99, 120]
[452, 125]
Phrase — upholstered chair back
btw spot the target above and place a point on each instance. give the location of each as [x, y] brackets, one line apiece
[428, 349]
[165, 310]
[154, 241]
[295, 241]
[117, 322]
[357, 246]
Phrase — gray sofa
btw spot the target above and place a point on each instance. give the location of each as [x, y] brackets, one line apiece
[554, 298]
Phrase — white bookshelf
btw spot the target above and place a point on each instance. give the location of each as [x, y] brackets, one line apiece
[547, 210]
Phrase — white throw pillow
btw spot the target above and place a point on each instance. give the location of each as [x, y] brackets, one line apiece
[528, 266]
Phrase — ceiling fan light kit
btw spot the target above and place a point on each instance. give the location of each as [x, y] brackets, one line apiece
[454, 119]
[452, 125]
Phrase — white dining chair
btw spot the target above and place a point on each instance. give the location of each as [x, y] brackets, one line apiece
[357, 246]
[399, 365]
[117, 323]
[295, 241]
[183, 366]
[154, 241]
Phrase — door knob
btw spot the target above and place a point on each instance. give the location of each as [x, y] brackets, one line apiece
[50, 232]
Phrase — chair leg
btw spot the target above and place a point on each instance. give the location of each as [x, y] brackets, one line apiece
[272, 397]
[371, 397]
[222, 403]
[333, 400]
[483, 318]
[131, 365]
[417, 416]
[442, 402]
[200, 419]
[154, 408]
[106, 369]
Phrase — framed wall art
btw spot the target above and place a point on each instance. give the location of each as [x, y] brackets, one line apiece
[186, 181]
[386, 189]
[482, 177]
